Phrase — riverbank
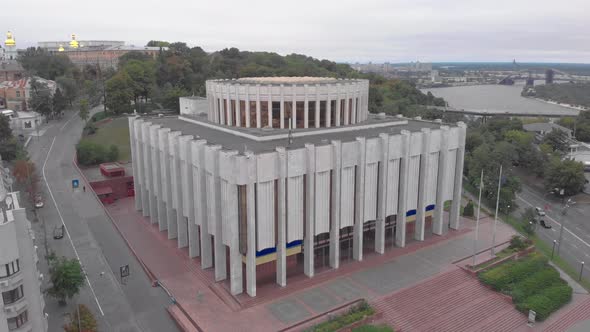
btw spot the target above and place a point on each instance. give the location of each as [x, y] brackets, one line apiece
[553, 102]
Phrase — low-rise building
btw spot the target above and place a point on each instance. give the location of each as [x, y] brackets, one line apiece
[11, 71]
[22, 305]
[15, 95]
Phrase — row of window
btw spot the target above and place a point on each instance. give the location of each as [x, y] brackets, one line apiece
[18, 321]
[13, 295]
[9, 269]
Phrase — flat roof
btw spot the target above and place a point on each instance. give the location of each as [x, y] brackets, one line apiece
[266, 140]
[289, 80]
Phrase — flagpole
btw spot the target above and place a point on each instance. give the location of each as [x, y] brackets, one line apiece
[496, 215]
[477, 219]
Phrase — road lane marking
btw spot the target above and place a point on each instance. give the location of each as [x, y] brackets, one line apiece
[65, 124]
[555, 221]
[66, 227]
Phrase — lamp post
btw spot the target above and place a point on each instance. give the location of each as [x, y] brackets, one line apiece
[581, 271]
[477, 219]
[553, 250]
[496, 214]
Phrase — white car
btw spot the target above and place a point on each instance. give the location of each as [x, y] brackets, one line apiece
[540, 211]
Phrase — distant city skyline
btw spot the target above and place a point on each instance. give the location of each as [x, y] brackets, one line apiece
[343, 31]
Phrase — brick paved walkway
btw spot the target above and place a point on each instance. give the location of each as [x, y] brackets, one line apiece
[214, 309]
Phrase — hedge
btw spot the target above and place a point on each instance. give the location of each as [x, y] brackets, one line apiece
[502, 277]
[373, 328]
[90, 153]
[547, 301]
[355, 314]
[531, 285]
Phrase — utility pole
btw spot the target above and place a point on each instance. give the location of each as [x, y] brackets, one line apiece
[563, 212]
[477, 219]
[496, 215]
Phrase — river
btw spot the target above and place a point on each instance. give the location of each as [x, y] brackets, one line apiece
[496, 97]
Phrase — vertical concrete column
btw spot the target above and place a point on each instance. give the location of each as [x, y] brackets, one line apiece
[237, 103]
[231, 220]
[282, 106]
[294, 108]
[174, 178]
[400, 226]
[165, 192]
[145, 195]
[189, 199]
[221, 109]
[282, 216]
[135, 164]
[328, 110]
[317, 105]
[181, 222]
[359, 201]
[338, 104]
[220, 255]
[336, 201]
[455, 221]
[382, 195]
[442, 181]
[247, 105]
[251, 224]
[258, 118]
[230, 112]
[200, 190]
[153, 136]
[422, 182]
[353, 119]
[269, 115]
[346, 107]
[306, 109]
[310, 212]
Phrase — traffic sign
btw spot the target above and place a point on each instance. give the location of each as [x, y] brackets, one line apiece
[75, 183]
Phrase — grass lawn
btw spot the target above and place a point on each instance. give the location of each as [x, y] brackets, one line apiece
[114, 132]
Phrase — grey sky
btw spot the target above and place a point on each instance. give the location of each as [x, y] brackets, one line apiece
[340, 30]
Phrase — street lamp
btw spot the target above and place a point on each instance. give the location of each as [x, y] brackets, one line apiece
[553, 250]
[581, 271]
[564, 211]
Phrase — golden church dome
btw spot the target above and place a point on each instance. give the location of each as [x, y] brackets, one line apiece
[9, 39]
[74, 42]
[61, 48]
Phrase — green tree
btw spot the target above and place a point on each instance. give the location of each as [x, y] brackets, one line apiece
[67, 278]
[170, 95]
[71, 88]
[468, 211]
[558, 141]
[119, 90]
[84, 112]
[143, 76]
[39, 62]
[5, 130]
[565, 174]
[41, 100]
[82, 321]
[59, 102]
[158, 43]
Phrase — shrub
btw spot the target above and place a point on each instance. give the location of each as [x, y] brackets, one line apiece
[502, 277]
[547, 301]
[519, 243]
[87, 322]
[90, 153]
[531, 285]
[356, 313]
[113, 153]
[98, 116]
[468, 211]
[90, 129]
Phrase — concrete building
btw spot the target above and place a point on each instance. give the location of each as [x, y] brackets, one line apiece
[15, 95]
[22, 305]
[273, 177]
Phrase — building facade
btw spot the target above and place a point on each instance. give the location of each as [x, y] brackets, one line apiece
[22, 305]
[279, 175]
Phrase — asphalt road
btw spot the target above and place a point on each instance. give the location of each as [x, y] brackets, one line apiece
[575, 245]
[92, 238]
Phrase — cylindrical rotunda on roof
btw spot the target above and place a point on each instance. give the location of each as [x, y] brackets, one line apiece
[276, 102]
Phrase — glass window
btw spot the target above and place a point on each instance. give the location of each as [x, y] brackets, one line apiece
[17, 94]
[13, 295]
[9, 269]
[18, 321]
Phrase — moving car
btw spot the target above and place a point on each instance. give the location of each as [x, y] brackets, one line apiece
[58, 232]
[39, 201]
[540, 211]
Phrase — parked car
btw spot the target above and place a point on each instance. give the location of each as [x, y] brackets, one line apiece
[39, 201]
[58, 232]
[540, 211]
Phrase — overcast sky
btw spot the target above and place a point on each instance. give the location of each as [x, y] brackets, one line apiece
[340, 30]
